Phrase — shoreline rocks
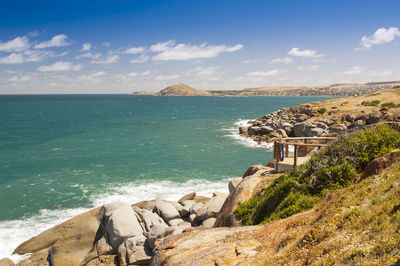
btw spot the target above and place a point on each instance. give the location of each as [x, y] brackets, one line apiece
[307, 121]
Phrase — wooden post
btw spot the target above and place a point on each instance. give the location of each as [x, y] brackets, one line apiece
[286, 150]
[295, 156]
[305, 147]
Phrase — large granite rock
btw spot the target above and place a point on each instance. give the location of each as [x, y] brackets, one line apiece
[65, 244]
[166, 210]
[234, 183]
[120, 222]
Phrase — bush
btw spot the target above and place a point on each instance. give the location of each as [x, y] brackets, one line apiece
[388, 105]
[335, 167]
[384, 109]
[373, 103]
[322, 110]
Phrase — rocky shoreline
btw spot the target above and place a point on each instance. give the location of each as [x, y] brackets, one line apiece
[309, 121]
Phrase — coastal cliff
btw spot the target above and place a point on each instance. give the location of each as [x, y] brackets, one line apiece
[345, 226]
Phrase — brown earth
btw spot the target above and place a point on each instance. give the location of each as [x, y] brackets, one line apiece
[182, 90]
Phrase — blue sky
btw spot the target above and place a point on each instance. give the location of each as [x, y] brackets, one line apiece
[125, 46]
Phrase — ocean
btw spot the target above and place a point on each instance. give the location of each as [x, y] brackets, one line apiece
[61, 155]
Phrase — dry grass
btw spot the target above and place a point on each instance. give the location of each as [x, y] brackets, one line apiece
[357, 225]
[352, 105]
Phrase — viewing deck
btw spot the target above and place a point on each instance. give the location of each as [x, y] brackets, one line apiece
[303, 148]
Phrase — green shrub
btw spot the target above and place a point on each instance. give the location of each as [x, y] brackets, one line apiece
[388, 105]
[384, 109]
[373, 103]
[335, 167]
[322, 110]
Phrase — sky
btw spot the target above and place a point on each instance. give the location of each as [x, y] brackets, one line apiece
[68, 47]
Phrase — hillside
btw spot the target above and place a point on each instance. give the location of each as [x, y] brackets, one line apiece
[182, 90]
[353, 225]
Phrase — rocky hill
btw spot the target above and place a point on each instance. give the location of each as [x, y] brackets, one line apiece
[182, 90]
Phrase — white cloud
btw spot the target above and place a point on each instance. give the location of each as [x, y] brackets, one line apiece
[381, 36]
[248, 61]
[22, 78]
[203, 71]
[309, 68]
[93, 77]
[284, 60]
[140, 59]
[270, 73]
[167, 77]
[355, 70]
[57, 41]
[109, 60]
[86, 47]
[145, 73]
[89, 55]
[26, 56]
[304, 53]
[134, 50]
[381, 73]
[60, 66]
[16, 45]
[169, 51]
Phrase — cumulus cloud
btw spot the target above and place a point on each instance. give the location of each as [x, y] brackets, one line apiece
[92, 77]
[355, 70]
[284, 60]
[381, 36]
[60, 66]
[145, 73]
[203, 71]
[26, 56]
[108, 60]
[21, 78]
[57, 41]
[169, 51]
[86, 47]
[309, 68]
[16, 45]
[140, 59]
[295, 51]
[89, 55]
[134, 50]
[167, 77]
[270, 73]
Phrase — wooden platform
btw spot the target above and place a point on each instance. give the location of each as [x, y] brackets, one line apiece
[288, 163]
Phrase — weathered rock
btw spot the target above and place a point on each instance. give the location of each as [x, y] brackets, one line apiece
[362, 117]
[6, 262]
[338, 128]
[358, 124]
[134, 251]
[242, 130]
[374, 118]
[266, 130]
[69, 242]
[244, 191]
[189, 196]
[120, 222]
[145, 204]
[254, 130]
[186, 206]
[166, 210]
[350, 118]
[377, 165]
[192, 219]
[177, 229]
[303, 129]
[201, 198]
[253, 169]
[220, 194]
[217, 246]
[177, 206]
[233, 183]
[156, 232]
[175, 221]
[196, 207]
[316, 132]
[149, 218]
[209, 223]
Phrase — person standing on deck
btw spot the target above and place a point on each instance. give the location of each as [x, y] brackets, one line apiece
[282, 135]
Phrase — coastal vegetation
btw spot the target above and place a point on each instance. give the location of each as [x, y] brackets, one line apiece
[337, 166]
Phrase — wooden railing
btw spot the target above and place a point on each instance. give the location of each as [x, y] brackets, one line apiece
[306, 143]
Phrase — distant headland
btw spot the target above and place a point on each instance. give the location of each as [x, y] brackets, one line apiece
[345, 89]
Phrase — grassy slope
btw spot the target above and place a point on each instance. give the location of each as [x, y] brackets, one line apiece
[359, 224]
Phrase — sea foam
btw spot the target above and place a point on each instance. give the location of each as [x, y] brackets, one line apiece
[15, 232]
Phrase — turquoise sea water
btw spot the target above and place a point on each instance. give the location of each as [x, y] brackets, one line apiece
[61, 155]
